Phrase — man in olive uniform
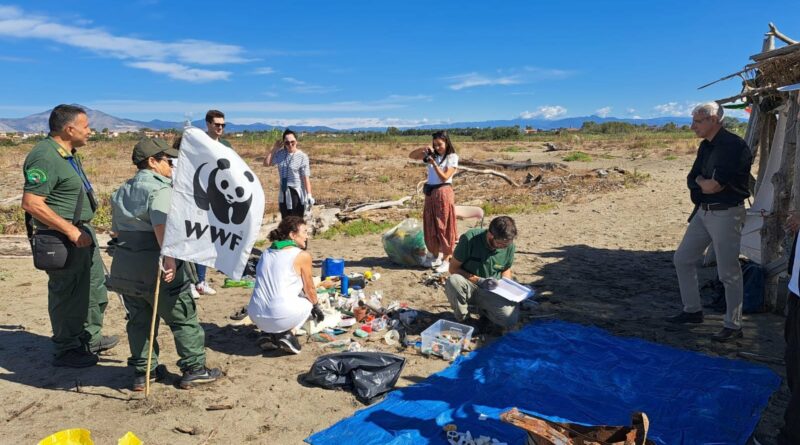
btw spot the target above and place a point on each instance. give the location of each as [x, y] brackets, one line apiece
[55, 185]
[140, 207]
[481, 257]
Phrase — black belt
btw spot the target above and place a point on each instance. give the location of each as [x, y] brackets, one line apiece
[717, 206]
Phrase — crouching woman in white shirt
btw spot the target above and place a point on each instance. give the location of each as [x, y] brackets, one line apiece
[284, 295]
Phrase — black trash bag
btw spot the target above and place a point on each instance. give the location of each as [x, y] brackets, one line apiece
[367, 374]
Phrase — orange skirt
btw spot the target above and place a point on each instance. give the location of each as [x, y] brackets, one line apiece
[439, 221]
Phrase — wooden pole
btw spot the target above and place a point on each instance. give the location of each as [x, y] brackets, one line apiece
[152, 330]
[768, 123]
[772, 233]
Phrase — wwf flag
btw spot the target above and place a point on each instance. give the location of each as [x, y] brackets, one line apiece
[217, 206]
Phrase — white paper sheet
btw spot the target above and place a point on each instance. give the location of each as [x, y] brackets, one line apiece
[512, 291]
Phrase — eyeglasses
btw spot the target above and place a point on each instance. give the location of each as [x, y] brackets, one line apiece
[218, 125]
[169, 160]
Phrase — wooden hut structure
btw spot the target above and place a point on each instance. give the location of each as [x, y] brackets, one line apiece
[771, 89]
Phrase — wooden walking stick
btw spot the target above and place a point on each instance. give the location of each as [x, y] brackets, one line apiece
[153, 328]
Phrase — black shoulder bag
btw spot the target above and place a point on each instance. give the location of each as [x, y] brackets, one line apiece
[51, 248]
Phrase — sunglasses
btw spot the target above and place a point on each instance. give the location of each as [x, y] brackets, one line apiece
[218, 125]
[169, 160]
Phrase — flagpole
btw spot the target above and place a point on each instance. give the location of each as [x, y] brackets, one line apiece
[152, 329]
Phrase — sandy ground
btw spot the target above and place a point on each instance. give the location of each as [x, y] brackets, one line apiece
[603, 260]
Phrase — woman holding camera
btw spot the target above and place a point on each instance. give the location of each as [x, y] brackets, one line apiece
[438, 215]
[294, 172]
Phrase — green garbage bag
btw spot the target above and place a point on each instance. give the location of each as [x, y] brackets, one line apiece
[404, 244]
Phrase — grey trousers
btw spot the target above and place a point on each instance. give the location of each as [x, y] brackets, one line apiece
[723, 230]
[462, 294]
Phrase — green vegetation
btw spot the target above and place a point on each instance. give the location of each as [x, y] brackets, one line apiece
[384, 179]
[577, 156]
[635, 178]
[357, 228]
[514, 149]
[670, 157]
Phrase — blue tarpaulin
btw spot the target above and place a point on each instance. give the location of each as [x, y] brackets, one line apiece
[567, 372]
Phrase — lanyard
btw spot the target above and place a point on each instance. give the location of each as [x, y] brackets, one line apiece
[79, 171]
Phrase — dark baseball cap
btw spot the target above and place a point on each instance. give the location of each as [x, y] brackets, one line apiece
[147, 147]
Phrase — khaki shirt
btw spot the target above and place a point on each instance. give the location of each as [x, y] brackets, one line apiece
[141, 203]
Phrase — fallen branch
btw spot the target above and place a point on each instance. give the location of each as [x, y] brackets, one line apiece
[219, 407]
[22, 411]
[462, 170]
[379, 205]
[490, 163]
[331, 162]
[549, 146]
[11, 201]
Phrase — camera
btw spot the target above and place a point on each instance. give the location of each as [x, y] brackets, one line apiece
[428, 156]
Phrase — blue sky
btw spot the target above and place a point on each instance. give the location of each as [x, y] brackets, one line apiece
[355, 63]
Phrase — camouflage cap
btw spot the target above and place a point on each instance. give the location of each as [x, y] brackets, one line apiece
[147, 147]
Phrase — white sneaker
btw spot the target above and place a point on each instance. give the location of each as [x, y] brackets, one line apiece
[205, 289]
[444, 267]
[195, 294]
[436, 263]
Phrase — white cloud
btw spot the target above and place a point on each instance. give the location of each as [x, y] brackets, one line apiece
[182, 72]
[179, 108]
[603, 112]
[472, 80]
[338, 122]
[513, 76]
[675, 109]
[303, 87]
[142, 53]
[545, 112]
[264, 70]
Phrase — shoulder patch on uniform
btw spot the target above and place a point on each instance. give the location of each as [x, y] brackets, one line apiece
[35, 176]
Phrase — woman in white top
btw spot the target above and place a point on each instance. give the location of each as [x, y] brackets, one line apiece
[438, 215]
[284, 295]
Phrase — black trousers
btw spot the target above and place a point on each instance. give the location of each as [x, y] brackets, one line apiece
[790, 433]
[298, 207]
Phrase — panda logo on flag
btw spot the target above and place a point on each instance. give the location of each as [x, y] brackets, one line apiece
[225, 196]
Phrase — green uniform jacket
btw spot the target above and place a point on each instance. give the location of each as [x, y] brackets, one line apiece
[137, 206]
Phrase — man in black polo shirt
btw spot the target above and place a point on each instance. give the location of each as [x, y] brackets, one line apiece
[718, 185]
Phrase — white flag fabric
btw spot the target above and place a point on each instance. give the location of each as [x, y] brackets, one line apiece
[794, 286]
[217, 206]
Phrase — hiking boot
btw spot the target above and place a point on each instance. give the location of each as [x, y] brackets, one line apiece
[106, 342]
[156, 375]
[240, 314]
[76, 358]
[288, 342]
[726, 334]
[687, 317]
[204, 289]
[199, 376]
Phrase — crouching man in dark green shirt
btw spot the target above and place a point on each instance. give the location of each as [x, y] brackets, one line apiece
[481, 258]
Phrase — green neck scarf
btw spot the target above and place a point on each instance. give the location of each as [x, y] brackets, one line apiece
[281, 244]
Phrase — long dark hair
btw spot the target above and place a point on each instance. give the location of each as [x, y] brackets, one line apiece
[288, 131]
[449, 148]
[288, 225]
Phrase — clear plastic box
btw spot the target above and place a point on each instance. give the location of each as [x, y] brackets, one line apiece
[446, 339]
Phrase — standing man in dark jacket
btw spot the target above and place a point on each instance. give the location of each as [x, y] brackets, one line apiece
[718, 185]
[56, 187]
[790, 433]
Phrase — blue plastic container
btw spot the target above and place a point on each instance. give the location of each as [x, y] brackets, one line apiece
[345, 285]
[332, 267]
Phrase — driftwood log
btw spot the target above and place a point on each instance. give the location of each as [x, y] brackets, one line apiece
[549, 146]
[524, 165]
[462, 170]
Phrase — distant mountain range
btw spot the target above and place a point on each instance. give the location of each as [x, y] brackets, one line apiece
[99, 120]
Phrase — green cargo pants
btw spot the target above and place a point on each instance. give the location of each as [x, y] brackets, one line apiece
[177, 308]
[461, 294]
[77, 299]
